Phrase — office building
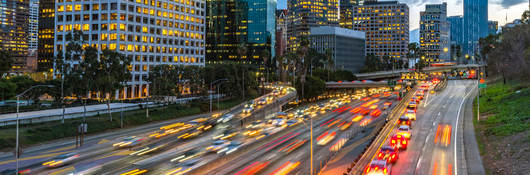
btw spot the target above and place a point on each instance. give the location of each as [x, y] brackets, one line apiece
[475, 25]
[46, 35]
[456, 36]
[346, 45]
[386, 25]
[281, 32]
[346, 12]
[235, 24]
[14, 17]
[304, 14]
[150, 32]
[493, 26]
[33, 29]
[434, 33]
[456, 29]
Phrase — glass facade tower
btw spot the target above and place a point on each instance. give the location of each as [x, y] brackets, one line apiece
[475, 24]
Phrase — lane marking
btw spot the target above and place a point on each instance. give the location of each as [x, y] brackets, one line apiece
[456, 130]
[60, 149]
[419, 161]
[35, 157]
[439, 113]
[102, 141]
[63, 171]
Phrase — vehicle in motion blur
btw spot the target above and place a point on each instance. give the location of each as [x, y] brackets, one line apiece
[129, 142]
[61, 160]
[378, 167]
[388, 153]
[404, 131]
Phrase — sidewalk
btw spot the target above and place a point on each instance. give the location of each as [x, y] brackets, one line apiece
[472, 153]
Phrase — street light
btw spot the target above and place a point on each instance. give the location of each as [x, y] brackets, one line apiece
[18, 104]
[210, 91]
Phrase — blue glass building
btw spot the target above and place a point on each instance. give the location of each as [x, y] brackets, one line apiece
[456, 31]
[475, 24]
[230, 23]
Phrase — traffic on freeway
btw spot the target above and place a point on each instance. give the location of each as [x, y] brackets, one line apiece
[276, 144]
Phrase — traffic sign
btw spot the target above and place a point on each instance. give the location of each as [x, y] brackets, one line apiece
[482, 85]
[482, 81]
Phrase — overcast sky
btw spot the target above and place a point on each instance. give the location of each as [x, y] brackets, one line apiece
[498, 10]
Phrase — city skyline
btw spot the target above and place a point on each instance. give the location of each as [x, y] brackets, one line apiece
[498, 10]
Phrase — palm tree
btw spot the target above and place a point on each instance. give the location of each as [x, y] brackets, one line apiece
[265, 55]
[5, 62]
[242, 50]
[330, 62]
[302, 62]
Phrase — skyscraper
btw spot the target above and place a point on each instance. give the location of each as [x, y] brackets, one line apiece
[304, 14]
[456, 36]
[346, 12]
[14, 31]
[46, 35]
[281, 32]
[151, 33]
[233, 24]
[386, 24]
[434, 33]
[475, 24]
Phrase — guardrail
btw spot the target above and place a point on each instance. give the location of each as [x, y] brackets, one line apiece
[374, 146]
[58, 116]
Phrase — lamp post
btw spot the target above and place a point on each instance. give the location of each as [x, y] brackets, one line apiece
[310, 143]
[210, 91]
[18, 104]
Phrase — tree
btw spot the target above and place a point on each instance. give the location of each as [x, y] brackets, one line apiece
[302, 62]
[314, 86]
[163, 81]
[242, 50]
[7, 89]
[329, 58]
[113, 73]
[265, 55]
[414, 52]
[6, 61]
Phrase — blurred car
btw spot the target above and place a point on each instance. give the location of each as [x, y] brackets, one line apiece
[410, 114]
[247, 110]
[275, 92]
[375, 113]
[190, 135]
[198, 121]
[184, 167]
[225, 118]
[388, 153]
[217, 145]
[262, 101]
[412, 105]
[61, 160]
[404, 131]
[404, 120]
[345, 126]
[233, 146]
[378, 167]
[129, 142]
[227, 134]
[291, 122]
[326, 137]
[255, 124]
[357, 118]
[387, 105]
[190, 154]
[398, 141]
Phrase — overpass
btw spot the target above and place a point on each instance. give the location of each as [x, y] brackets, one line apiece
[397, 73]
[358, 84]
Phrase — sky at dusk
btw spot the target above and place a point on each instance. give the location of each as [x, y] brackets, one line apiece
[498, 10]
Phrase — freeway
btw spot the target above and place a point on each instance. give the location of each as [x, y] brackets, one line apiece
[437, 145]
[436, 137]
[98, 152]
[291, 152]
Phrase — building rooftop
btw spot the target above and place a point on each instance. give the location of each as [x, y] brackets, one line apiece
[329, 30]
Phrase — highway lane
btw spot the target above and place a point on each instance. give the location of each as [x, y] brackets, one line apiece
[104, 149]
[432, 146]
[276, 158]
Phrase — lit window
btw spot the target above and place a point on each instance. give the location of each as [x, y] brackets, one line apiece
[112, 46]
[60, 8]
[68, 8]
[86, 27]
[78, 7]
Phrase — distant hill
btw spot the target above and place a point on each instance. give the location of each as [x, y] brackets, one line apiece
[414, 36]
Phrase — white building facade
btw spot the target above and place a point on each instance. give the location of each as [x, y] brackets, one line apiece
[150, 32]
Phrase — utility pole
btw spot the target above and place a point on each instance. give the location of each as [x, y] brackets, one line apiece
[311, 140]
